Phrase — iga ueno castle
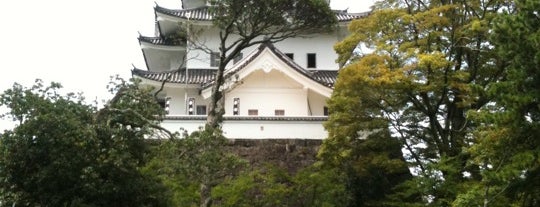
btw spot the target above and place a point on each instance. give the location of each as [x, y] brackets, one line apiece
[272, 91]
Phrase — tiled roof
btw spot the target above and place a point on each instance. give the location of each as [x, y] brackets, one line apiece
[344, 16]
[195, 76]
[161, 41]
[202, 14]
[326, 77]
[205, 77]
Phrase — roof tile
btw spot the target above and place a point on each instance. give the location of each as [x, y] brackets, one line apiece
[195, 76]
[203, 14]
[161, 41]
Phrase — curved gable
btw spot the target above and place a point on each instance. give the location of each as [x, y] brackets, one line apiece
[267, 59]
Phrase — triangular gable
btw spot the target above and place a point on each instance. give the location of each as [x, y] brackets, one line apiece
[267, 58]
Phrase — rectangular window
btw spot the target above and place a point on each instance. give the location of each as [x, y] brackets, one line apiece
[214, 59]
[311, 60]
[325, 111]
[290, 55]
[253, 112]
[201, 109]
[279, 112]
[238, 58]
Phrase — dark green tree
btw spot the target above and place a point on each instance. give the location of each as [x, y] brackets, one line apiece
[508, 136]
[193, 165]
[274, 186]
[64, 152]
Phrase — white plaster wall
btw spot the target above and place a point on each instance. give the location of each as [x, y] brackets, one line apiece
[256, 129]
[274, 129]
[168, 27]
[317, 103]
[163, 60]
[178, 99]
[267, 92]
[321, 44]
[183, 125]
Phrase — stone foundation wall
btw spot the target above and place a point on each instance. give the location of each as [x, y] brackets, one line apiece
[290, 154]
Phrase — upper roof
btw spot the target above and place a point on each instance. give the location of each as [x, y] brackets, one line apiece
[202, 14]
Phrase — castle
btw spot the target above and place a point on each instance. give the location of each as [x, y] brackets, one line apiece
[274, 91]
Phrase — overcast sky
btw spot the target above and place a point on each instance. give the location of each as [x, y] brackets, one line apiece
[81, 43]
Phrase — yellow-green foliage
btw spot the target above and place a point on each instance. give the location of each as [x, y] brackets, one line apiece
[422, 66]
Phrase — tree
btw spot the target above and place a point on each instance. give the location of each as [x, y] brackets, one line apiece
[192, 166]
[64, 152]
[274, 186]
[428, 63]
[242, 24]
[359, 147]
[508, 146]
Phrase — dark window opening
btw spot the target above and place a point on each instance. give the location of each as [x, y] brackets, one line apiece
[161, 102]
[279, 112]
[325, 111]
[201, 109]
[311, 60]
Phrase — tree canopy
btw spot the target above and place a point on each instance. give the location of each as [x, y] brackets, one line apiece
[455, 83]
[64, 152]
[508, 134]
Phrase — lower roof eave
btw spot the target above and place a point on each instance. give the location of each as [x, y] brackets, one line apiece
[154, 83]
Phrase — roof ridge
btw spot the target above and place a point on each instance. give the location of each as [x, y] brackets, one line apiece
[202, 13]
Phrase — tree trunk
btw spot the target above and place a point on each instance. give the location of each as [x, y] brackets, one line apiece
[216, 108]
[206, 199]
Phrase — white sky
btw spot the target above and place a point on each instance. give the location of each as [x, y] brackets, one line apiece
[81, 43]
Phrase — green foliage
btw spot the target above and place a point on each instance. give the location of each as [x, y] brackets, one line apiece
[275, 19]
[429, 63]
[255, 189]
[192, 166]
[508, 137]
[64, 152]
[272, 186]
